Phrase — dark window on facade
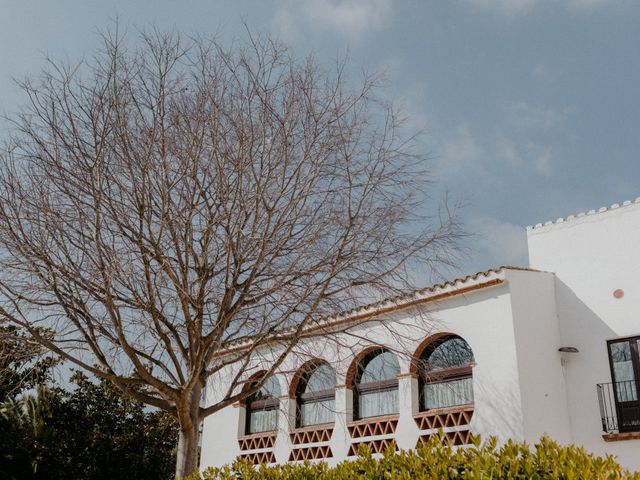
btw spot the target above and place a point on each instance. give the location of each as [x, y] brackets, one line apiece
[262, 408]
[445, 378]
[376, 385]
[624, 359]
[315, 396]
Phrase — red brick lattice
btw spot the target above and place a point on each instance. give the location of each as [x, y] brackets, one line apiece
[257, 441]
[444, 418]
[311, 435]
[260, 457]
[373, 427]
[310, 453]
[376, 446]
[454, 438]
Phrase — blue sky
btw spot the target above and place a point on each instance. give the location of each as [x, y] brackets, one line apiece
[530, 108]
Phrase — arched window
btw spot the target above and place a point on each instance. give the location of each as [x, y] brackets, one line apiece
[445, 373]
[315, 395]
[262, 408]
[376, 385]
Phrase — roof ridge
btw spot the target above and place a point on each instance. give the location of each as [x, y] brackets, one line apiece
[575, 216]
[523, 269]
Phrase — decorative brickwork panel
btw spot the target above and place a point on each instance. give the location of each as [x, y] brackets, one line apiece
[260, 457]
[376, 446]
[311, 435]
[310, 453]
[444, 418]
[257, 441]
[454, 438]
[373, 427]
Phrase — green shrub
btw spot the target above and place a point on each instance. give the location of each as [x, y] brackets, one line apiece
[480, 461]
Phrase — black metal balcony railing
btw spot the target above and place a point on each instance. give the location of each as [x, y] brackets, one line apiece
[619, 406]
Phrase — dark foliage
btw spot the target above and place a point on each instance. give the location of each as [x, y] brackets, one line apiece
[23, 364]
[92, 432]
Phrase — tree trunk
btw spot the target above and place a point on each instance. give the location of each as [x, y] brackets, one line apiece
[187, 454]
[189, 436]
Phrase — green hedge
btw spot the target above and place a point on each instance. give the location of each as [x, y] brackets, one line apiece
[481, 461]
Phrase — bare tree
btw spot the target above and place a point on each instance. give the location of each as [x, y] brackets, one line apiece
[163, 202]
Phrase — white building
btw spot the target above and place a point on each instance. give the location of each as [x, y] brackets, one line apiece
[552, 349]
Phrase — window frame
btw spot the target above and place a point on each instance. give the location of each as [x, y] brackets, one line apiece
[377, 386]
[425, 377]
[312, 397]
[263, 405]
[634, 346]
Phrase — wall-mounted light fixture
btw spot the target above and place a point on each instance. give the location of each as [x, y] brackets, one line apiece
[568, 350]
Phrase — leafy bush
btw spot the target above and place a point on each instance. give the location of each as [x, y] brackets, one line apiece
[482, 460]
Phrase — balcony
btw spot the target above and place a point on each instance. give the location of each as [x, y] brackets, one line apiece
[619, 409]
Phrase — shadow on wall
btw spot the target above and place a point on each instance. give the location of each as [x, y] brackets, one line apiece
[582, 328]
[498, 415]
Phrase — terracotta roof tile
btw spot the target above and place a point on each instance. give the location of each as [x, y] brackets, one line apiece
[435, 292]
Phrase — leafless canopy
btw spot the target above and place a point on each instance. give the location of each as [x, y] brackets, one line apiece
[159, 203]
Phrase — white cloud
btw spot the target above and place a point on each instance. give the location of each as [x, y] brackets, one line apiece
[349, 18]
[587, 4]
[411, 104]
[525, 116]
[503, 243]
[460, 154]
[547, 74]
[524, 153]
[518, 7]
[543, 163]
[529, 136]
[507, 7]
[524, 139]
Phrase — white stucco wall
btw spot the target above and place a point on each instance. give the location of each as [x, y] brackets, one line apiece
[523, 386]
[592, 256]
[537, 338]
[484, 318]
